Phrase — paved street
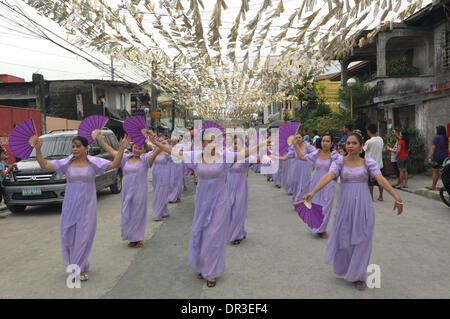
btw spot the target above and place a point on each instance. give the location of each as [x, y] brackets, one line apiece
[279, 259]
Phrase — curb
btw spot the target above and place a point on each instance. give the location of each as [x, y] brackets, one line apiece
[426, 193]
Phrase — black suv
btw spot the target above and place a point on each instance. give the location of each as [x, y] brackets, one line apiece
[30, 185]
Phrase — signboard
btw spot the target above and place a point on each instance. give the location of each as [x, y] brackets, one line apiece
[156, 115]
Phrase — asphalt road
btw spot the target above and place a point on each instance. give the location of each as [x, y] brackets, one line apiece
[279, 259]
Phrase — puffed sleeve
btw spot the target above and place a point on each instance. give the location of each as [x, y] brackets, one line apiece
[146, 159]
[98, 164]
[291, 152]
[336, 166]
[125, 159]
[310, 148]
[311, 157]
[61, 166]
[372, 166]
[335, 155]
[189, 159]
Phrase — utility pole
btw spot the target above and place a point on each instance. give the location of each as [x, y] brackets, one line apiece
[173, 103]
[112, 69]
[154, 93]
[38, 79]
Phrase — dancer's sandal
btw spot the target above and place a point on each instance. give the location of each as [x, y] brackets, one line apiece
[84, 276]
[323, 235]
[199, 276]
[211, 283]
[361, 285]
[132, 244]
[236, 242]
[140, 244]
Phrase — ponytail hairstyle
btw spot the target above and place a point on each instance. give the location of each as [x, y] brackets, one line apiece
[441, 131]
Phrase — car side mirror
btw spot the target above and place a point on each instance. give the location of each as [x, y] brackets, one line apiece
[95, 150]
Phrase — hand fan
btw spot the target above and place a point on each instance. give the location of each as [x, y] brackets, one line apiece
[23, 139]
[310, 213]
[211, 124]
[135, 128]
[91, 126]
[286, 135]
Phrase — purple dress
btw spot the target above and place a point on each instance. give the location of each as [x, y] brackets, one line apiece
[134, 197]
[176, 177]
[160, 182]
[211, 219]
[237, 183]
[325, 196]
[350, 243]
[79, 209]
[300, 172]
[286, 173]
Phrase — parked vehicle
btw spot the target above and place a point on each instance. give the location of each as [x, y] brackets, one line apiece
[445, 176]
[30, 185]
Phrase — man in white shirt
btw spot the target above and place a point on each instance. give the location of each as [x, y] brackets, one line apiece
[374, 148]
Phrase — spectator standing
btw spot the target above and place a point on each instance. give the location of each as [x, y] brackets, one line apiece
[374, 148]
[315, 138]
[393, 151]
[403, 158]
[438, 153]
[347, 131]
[305, 136]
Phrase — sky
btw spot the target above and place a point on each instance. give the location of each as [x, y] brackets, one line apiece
[21, 55]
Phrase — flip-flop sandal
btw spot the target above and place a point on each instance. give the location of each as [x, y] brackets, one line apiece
[84, 277]
[211, 283]
[381, 200]
[140, 244]
[361, 285]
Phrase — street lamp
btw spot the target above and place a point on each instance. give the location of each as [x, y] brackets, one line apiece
[351, 83]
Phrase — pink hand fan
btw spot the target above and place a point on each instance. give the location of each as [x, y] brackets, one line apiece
[91, 126]
[135, 128]
[286, 133]
[23, 139]
[310, 213]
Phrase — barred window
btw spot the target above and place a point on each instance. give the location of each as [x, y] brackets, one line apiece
[446, 50]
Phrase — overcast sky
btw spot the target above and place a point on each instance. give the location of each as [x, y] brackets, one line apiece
[21, 56]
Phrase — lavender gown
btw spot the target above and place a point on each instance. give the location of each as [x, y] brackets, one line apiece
[211, 219]
[79, 209]
[134, 197]
[160, 182]
[350, 243]
[176, 178]
[285, 180]
[237, 183]
[300, 172]
[325, 196]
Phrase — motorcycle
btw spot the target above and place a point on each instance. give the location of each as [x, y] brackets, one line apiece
[445, 176]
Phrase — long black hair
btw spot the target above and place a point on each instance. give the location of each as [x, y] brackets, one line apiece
[319, 141]
[440, 130]
[405, 137]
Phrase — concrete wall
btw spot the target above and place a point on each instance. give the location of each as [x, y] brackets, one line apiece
[430, 114]
[397, 85]
[62, 101]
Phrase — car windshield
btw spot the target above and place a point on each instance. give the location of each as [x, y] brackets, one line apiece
[55, 146]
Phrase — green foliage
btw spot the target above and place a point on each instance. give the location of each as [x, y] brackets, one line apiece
[361, 93]
[400, 66]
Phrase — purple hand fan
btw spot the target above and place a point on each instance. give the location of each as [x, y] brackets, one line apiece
[285, 132]
[310, 213]
[134, 127]
[91, 126]
[211, 124]
[22, 139]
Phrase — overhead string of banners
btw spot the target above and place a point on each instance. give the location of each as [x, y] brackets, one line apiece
[208, 58]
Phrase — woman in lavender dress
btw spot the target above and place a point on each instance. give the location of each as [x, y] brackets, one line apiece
[134, 192]
[350, 243]
[300, 171]
[210, 228]
[321, 159]
[237, 183]
[79, 209]
[176, 176]
[161, 183]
